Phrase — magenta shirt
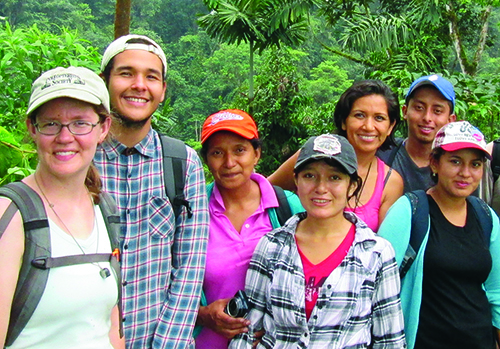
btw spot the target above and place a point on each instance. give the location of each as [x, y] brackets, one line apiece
[229, 252]
[369, 212]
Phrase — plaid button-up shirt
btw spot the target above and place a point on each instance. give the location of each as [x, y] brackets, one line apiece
[358, 305]
[163, 260]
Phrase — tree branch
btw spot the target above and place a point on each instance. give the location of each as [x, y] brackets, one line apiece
[365, 62]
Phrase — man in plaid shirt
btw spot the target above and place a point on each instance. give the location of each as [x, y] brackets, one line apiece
[163, 258]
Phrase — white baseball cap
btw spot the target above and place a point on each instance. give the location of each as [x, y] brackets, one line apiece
[123, 43]
[460, 135]
[73, 82]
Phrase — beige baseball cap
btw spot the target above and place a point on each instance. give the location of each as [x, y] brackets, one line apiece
[123, 43]
[73, 82]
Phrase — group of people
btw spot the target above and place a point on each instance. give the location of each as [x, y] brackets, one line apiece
[324, 248]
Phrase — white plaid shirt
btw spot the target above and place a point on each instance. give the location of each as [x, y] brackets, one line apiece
[358, 306]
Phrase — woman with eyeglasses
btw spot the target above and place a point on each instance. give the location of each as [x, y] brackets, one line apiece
[68, 116]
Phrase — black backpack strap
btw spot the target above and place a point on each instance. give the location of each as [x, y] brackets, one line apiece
[495, 159]
[113, 225]
[174, 172]
[283, 211]
[483, 214]
[386, 179]
[31, 281]
[419, 226]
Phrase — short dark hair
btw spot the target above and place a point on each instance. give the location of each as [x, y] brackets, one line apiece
[106, 73]
[412, 94]
[255, 142]
[366, 88]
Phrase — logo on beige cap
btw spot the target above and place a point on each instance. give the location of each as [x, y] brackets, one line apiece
[61, 79]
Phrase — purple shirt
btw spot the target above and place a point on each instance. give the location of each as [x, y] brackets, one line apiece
[229, 252]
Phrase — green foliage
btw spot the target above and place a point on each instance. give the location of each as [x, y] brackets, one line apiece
[327, 82]
[25, 54]
[277, 109]
[335, 42]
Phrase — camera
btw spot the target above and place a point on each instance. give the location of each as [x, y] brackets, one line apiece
[238, 306]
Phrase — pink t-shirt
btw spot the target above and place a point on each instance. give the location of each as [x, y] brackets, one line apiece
[316, 274]
[229, 252]
[369, 212]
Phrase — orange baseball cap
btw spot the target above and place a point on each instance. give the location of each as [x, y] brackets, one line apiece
[233, 120]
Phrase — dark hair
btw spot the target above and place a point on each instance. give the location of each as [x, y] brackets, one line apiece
[412, 94]
[92, 180]
[107, 70]
[353, 178]
[366, 88]
[255, 142]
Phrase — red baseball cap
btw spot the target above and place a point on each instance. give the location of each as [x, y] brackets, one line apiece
[233, 120]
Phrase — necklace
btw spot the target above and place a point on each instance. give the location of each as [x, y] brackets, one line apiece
[104, 272]
[363, 184]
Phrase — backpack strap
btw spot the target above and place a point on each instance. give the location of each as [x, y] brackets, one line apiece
[113, 224]
[37, 258]
[483, 214]
[7, 217]
[31, 281]
[495, 159]
[386, 179]
[283, 211]
[174, 173]
[419, 226]
[420, 221]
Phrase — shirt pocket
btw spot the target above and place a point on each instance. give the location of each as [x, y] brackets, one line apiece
[161, 218]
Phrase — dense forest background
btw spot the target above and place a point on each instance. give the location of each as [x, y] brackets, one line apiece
[285, 61]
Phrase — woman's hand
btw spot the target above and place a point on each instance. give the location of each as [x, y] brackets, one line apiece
[213, 317]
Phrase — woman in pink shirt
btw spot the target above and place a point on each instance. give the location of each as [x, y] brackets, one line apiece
[366, 114]
[242, 207]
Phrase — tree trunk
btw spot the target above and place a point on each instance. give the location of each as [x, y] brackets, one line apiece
[482, 39]
[468, 67]
[456, 38]
[122, 17]
[250, 79]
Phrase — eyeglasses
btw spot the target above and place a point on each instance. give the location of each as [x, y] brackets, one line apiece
[78, 127]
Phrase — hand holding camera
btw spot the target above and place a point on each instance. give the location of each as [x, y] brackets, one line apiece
[216, 318]
[238, 306]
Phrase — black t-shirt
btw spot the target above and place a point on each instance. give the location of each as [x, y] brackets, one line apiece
[414, 177]
[455, 312]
